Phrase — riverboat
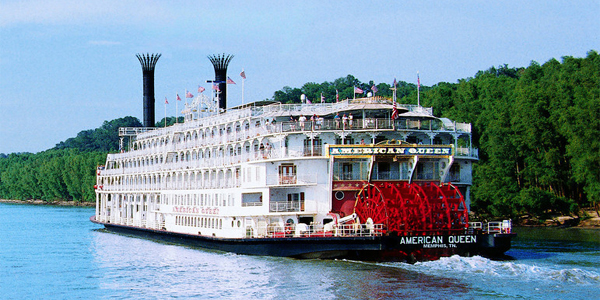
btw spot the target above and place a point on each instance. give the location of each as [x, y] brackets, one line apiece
[365, 178]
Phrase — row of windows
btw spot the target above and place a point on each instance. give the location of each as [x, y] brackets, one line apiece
[196, 135]
[193, 155]
[200, 222]
[199, 200]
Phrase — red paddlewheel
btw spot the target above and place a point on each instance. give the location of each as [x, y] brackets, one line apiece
[448, 207]
[370, 204]
[412, 209]
[458, 208]
[408, 209]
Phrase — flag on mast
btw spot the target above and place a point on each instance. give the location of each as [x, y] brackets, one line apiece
[243, 74]
[201, 89]
[229, 81]
[358, 90]
[178, 99]
[374, 89]
[166, 101]
[394, 111]
[188, 94]
[337, 96]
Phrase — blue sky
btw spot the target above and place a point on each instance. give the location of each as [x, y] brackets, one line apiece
[67, 66]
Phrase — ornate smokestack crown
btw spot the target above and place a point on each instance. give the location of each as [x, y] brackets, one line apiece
[148, 63]
[220, 63]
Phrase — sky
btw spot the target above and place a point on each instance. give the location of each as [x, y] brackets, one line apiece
[69, 65]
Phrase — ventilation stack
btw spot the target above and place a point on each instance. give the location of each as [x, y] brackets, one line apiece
[148, 64]
[220, 63]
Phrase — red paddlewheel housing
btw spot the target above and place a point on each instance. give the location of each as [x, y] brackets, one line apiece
[412, 209]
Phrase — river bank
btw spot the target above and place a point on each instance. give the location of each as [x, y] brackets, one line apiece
[56, 203]
[587, 218]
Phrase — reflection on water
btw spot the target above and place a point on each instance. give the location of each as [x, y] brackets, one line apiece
[173, 270]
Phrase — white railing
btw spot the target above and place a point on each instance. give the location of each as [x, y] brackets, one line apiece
[286, 206]
[504, 226]
[318, 230]
[298, 179]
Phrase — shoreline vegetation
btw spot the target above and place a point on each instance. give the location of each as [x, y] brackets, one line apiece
[589, 219]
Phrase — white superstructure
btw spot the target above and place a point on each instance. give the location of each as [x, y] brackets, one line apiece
[264, 169]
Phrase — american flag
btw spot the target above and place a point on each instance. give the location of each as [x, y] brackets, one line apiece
[394, 111]
[374, 89]
[166, 101]
[337, 96]
[358, 90]
[178, 99]
[188, 94]
[216, 87]
[200, 89]
[418, 81]
[243, 74]
[229, 81]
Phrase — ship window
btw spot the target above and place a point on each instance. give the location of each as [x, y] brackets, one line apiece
[313, 148]
[351, 169]
[428, 170]
[287, 174]
[252, 199]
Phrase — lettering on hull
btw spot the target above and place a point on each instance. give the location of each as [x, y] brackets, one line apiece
[438, 241]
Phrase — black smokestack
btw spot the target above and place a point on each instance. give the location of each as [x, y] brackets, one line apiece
[148, 63]
[220, 62]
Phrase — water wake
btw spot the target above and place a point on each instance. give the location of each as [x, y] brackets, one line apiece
[457, 266]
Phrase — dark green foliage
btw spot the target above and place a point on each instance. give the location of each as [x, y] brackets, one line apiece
[105, 138]
[538, 133]
[56, 174]
[65, 172]
[344, 87]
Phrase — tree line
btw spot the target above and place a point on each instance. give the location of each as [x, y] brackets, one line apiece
[68, 170]
[537, 129]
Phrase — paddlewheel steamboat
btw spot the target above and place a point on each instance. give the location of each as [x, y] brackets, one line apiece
[365, 178]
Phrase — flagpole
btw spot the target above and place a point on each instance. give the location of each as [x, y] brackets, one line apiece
[166, 111]
[176, 114]
[418, 90]
[243, 80]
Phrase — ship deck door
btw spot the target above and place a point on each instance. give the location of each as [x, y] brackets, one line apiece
[287, 174]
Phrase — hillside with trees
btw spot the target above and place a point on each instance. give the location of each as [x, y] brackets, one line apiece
[537, 129]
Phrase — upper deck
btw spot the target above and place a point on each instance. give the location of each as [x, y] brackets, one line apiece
[241, 133]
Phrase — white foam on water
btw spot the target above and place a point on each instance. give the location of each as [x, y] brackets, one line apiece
[477, 266]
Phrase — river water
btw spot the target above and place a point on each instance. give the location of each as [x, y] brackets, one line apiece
[49, 252]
